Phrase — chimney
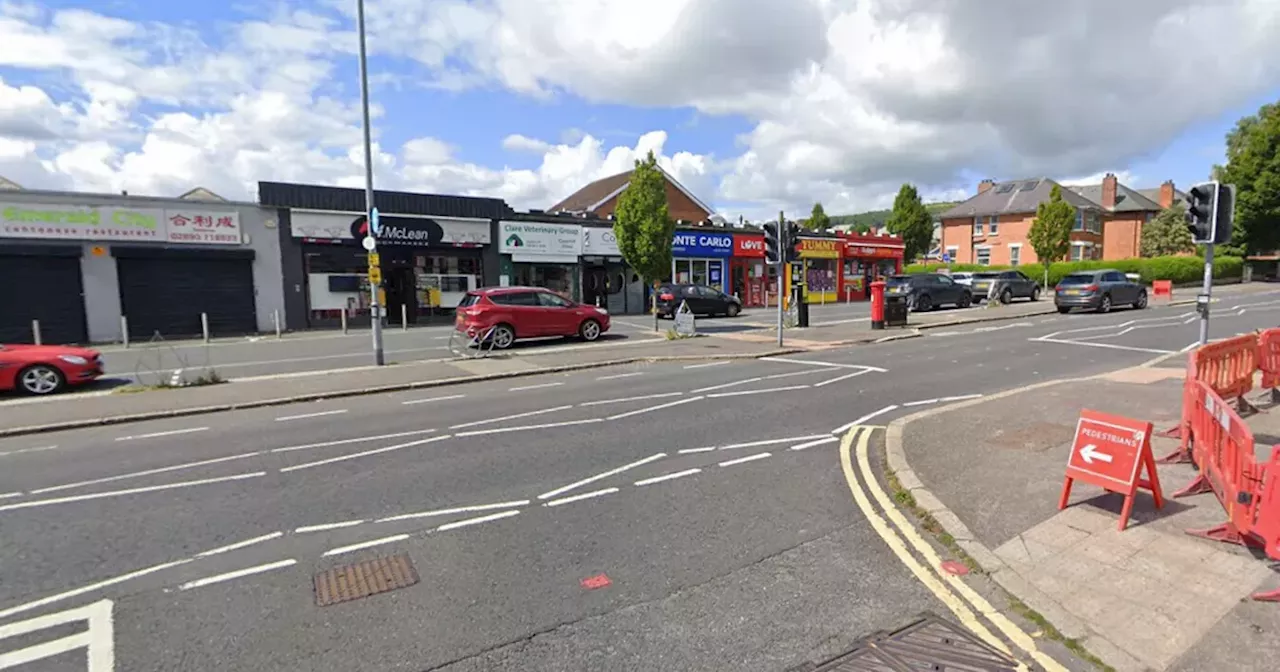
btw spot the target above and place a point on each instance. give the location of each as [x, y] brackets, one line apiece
[1166, 194]
[984, 185]
[1109, 191]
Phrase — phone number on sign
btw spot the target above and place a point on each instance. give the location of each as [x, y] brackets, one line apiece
[232, 239]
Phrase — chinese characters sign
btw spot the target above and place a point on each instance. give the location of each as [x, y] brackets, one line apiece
[68, 222]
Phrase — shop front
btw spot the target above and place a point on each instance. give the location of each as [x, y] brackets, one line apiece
[820, 264]
[607, 281]
[866, 258]
[701, 258]
[750, 278]
[541, 254]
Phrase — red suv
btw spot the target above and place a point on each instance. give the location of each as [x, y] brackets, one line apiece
[527, 312]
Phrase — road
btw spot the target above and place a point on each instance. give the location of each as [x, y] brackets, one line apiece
[711, 496]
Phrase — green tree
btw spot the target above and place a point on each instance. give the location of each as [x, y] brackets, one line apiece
[1253, 165]
[1167, 234]
[818, 219]
[642, 223]
[911, 221]
[1050, 234]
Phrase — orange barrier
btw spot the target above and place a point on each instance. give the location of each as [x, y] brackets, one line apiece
[1162, 289]
[1227, 366]
[1269, 361]
[1267, 527]
[1224, 453]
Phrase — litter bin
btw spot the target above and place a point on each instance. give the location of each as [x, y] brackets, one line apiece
[895, 311]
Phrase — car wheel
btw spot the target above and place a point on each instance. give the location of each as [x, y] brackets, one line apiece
[502, 337]
[733, 310]
[41, 379]
[1063, 310]
[1142, 300]
[589, 331]
[1006, 296]
[1035, 294]
[965, 301]
[1104, 306]
[923, 303]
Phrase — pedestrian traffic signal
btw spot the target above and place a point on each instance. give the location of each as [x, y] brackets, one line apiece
[771, 243]
[1210, 212]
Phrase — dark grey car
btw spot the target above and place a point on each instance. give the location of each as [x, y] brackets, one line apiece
[1098, 290]
[928, 290]
[1010, 285]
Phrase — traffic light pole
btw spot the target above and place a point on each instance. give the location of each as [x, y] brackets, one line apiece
[782, 265]
[375, 305]
[1206, 290]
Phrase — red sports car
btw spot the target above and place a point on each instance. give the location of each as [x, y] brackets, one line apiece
[45, 369]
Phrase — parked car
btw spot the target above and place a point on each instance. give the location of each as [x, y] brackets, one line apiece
[702, 300]
[1098, 290]
[515, 313]
[1005, 286]
[963, 278]
[925, 291]
[45, 369]
[980, 284]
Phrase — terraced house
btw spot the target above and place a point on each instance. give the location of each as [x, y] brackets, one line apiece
[991, 228]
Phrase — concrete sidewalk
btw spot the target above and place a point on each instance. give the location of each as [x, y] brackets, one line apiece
[26, 416]
[1149, 598]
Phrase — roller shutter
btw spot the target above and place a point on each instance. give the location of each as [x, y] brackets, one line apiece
[45, 287]
[166, 292]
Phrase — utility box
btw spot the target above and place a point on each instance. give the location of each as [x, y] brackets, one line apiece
[895, 311]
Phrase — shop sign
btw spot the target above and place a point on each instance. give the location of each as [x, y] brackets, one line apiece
[819, 248]
[396, 230]
[748, 246]
[871, 252]
[693, 244]
[599, 242]
[537, 239]
[69, 222]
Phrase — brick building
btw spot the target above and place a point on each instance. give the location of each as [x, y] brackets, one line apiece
[600, 198]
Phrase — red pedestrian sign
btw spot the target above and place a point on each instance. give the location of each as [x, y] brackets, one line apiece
[1111, 452]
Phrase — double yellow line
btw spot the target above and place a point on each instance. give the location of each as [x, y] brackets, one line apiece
[968, 606]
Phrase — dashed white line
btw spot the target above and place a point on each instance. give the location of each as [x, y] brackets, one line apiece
[846, 376]
[36, 604]
[703, 366]
[456, 509]
[477, 423]
[365, 453]
[741, 460]
[358, 439]
[304, 416]
[240, 544]
[660, 395]
[534, 387]
[655, 408]
[815, 442]
[962, 397]
[522, 428]
[10, 495]
[771, 442]
[600, 476]
[690, 451]
[668, 477]
[743, 393]
[724, 385]
[621, 375]
[845, 427]
[248, 571]
[132, 491]
[20, 451]
[365, 544]
[476, 521]
[327, 526]
[149, 472]
[577, 498]
[431, 399]
[155, 435]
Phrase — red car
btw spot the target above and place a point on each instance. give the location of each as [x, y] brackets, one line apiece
[516, 313]
[45, 369]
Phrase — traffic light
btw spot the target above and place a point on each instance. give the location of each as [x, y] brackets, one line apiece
[1210, 212]
[771, 243]
[792, 241]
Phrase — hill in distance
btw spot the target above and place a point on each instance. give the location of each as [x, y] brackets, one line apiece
[864, 221]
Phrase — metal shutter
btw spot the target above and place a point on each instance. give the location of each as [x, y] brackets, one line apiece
[44, 288]
[167, 295]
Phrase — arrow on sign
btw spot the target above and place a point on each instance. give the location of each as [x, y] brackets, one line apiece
[1090, 452]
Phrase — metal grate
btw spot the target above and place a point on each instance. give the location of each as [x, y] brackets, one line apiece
[929, 643]
[352, 582]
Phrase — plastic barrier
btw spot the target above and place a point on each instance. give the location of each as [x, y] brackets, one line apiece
[1223, 451]
[1268, 526]
[1162, 289]
[1227, 366]
[1269, 361]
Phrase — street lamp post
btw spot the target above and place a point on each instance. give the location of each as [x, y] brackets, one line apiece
[375, 305]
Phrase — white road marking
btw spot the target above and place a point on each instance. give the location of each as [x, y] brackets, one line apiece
[247, 571]
[724, 385]
[703, 366]
[358, 439]
[749, 458]
[511, 417]
[36, 604]
[802, 372]
[597, 477]
[846, 376]
[431, 399]
[133, 491]
[659, 407]
[365, 544]
[771, 442]
[621, 375]
[961, 397]
[534, 387]
[668, 477]
[240, 544]
[154, 435]
[522, 428]
[578, 498]
[843, 428]
[476, 521]
[743, 393]
[98, 637]
[365, 453]
[816, 442]
[304, 416]
[327, 526]
[920, 402]
[10, 495]
[689, 451]
[148, 472]
[660, 395]
[456, 509]
[20, 451]
[1112, 346]
[814, 362]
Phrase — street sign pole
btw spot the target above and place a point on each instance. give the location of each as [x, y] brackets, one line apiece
[781, 263]
[375, 304]
[1206, 290]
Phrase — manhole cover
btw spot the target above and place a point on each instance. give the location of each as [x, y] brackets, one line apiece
[352, 582]
[930, 643]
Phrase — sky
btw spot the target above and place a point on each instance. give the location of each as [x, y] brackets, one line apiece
[755, 106]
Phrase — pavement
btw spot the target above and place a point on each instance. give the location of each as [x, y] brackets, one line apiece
[662, 515]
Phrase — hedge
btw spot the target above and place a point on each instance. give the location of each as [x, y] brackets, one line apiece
[1179, 269]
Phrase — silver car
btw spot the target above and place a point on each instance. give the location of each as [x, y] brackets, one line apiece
[1098, 290]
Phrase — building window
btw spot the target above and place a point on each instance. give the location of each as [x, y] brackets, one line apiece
[977, 227]
[1083, 251]
[1079, 225]
[993, 224]
[1015, 255]
[983, 255]
[952, 251]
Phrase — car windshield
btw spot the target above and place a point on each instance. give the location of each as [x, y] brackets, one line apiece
[1078, 279]
[898, 280]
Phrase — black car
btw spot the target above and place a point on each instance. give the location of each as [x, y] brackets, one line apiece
[1005, 286]
[929, 290]
[702, 300]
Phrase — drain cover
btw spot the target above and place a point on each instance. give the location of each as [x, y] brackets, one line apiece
[352, 582]
[929, 643]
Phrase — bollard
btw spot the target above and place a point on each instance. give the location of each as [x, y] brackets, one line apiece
[35, 332]
[344, 321]
[275, 315]
[204, 326]
[404, 317]
[124, 331]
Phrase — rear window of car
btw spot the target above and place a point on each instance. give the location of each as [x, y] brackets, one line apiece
[469, 300]
[898, 280]
[1078, 279]
[984, 276]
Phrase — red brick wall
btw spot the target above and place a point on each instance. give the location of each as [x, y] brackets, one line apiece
[679, 206]
[1122, 235]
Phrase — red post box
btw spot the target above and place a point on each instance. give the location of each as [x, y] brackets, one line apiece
[877, 304]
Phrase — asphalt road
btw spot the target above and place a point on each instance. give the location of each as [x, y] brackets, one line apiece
[205, 531]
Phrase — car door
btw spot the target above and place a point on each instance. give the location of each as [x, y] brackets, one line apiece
[946, 290]
[1118, 285]
[558, 314]
[693, 297]
[713, 300]
[1028, 285]
[520, 308]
